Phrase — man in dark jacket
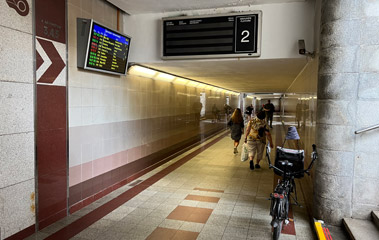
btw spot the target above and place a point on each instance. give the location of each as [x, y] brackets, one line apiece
[269, 108]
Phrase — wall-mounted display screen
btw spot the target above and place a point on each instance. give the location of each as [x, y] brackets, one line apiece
[106, 51]
[215, 36]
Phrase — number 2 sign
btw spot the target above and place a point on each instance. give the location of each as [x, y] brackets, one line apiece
[246, 33]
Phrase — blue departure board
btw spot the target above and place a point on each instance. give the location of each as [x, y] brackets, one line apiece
[107, 50]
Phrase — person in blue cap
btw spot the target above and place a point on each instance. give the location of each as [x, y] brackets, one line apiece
[292, 133]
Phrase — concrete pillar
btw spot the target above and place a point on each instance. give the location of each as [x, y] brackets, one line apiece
[348, 99]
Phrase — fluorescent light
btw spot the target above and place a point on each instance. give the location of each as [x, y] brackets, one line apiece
[181, 81]
[141, 71]
[164, 77]
[192, 83]
[201, 85]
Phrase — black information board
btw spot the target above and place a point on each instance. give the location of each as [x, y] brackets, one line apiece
[232, 35]
[107, 50]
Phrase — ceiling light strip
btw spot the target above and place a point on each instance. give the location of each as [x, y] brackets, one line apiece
[138, 70]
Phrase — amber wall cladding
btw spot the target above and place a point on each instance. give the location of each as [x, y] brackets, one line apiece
[300, 110]
[119, 125]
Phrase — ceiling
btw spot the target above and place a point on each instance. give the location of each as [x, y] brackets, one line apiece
[160, 6]
[245, 75]
[273, 75]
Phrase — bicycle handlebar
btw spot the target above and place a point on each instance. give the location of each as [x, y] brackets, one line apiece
[314, 156]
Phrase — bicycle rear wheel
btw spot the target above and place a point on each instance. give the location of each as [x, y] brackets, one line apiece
[277, 231]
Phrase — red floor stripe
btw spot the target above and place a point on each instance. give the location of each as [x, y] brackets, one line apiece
[290, 227]
[82, 223]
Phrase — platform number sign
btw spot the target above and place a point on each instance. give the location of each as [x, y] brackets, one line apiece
[213, 36]
[246, 33]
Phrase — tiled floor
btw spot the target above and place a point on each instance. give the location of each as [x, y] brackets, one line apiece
[206, 193]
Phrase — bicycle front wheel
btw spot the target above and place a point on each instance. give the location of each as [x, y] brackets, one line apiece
[277, 230]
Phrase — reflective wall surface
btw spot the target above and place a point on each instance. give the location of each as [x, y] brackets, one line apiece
[299, 108]
[120, 125]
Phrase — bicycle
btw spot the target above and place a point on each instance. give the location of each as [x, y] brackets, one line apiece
[281, 196]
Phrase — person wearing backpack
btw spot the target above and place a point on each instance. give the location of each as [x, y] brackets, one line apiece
[256, 134]
[236, 127]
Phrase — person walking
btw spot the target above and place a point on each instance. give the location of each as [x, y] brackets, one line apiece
[236, 128]
[249, 111]
[215, 112]
[269, 108]
[227, 110]
[255, 137]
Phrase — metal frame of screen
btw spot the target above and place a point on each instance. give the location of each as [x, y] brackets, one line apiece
[235, 55]
[87, 51]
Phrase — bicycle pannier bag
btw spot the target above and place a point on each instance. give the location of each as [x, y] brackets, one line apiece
[296, 157]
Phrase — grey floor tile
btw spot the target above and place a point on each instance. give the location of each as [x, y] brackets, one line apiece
[172, 224]
[90, 233]
[241, 213]
[141, 232]
[122, 226]
[151, 221]
[236, 232]
[206, 236]
[192, 227]
[103, 224]
[207, 205]
[38, 236]
[53, 228]
[115, 216]
[287, 237]
[260, 232]
[239, 222]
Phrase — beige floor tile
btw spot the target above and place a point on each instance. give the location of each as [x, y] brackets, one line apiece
[242, 211]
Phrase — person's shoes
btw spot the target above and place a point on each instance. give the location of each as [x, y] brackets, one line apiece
[235, 151]
[251, 165]
[257, 166]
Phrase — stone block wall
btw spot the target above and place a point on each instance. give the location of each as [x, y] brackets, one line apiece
[17, 155]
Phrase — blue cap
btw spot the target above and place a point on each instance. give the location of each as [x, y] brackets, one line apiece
[292, 133]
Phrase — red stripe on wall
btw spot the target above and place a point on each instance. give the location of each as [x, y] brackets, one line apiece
[51, 154]
[51, 19]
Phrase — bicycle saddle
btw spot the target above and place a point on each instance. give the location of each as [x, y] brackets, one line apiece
[286, 163]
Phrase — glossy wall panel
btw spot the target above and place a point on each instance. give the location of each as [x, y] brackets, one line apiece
[121, 125]
[299, 109]
[51, 110]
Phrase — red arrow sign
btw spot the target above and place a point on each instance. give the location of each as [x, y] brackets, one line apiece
[57, 64]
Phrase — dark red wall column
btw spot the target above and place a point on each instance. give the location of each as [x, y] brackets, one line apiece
[51, 115]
